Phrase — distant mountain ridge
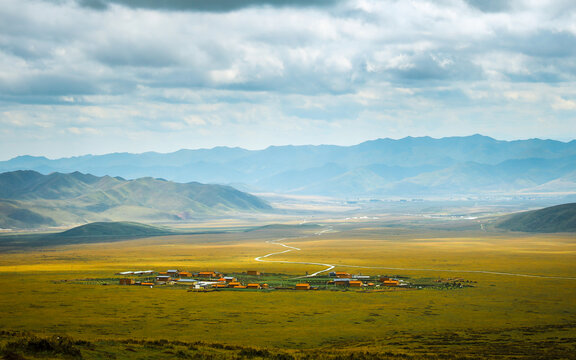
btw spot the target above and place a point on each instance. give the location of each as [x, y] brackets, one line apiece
[30, 199]
[383, 167]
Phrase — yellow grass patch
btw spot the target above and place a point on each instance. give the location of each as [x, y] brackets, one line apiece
[34, 299]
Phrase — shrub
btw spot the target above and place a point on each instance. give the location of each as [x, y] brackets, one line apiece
[55, 345]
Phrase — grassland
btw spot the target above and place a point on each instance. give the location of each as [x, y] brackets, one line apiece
[503, 316]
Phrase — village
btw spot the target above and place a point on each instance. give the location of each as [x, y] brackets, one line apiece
[256, 280]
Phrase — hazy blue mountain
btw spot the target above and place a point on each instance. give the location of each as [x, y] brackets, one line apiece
[409, 166]
[566, 183]
[473, 177]
[30, 199]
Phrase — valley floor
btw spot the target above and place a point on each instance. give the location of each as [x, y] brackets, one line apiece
[504, 316]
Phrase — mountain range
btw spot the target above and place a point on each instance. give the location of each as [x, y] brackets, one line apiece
[421, 166]
[29, 199]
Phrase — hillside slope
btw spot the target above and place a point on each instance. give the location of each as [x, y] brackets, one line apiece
[122, 228]
[560, 218]
[29, 199]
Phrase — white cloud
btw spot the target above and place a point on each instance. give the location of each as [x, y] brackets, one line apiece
[367, 68]
[563, 104]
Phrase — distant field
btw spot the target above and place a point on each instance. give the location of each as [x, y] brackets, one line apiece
[503, 316]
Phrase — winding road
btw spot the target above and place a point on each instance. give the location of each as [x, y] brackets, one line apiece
[264, 258]
[292, 248]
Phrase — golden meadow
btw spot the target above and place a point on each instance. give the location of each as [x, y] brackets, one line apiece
[502, 316]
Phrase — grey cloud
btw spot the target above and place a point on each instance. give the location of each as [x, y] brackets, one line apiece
[537, 77]
[205, 5]
[49, 85]
[432, 67]
[185, 50]
[136, 54]
[545, 43]
[490, 6]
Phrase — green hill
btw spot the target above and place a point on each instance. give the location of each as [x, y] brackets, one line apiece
[14, 216]
[122, 228]
[560, 218]
[29, 199]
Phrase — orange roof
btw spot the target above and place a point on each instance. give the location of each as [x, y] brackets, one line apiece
[355, 282]
[221, 279]
[253, 285]
[163, 273]
[234, 284]
[147, 284]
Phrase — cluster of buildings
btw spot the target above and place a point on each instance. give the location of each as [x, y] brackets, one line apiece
[202, 279]
[345, 279]
[216, 280]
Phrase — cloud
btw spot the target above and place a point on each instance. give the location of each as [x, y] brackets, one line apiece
[47, 85]
[490, 5]
[204, 6]
[177, 66]
[563, 104]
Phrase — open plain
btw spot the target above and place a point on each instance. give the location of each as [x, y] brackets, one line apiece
[521, 304]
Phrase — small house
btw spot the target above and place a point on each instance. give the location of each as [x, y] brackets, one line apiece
[207, 274]
[302, 286]
[147, 284]
[355, 283]
[342, 282]
[187, 281]
[127, 281]
[184, 274]
[390, 283]
[163, 278]
[253, 286]
[253, 272]
[342, 275]
[229, 279]
[234, 284]
[145, 272]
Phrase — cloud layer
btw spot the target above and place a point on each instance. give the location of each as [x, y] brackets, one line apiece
[95, 76]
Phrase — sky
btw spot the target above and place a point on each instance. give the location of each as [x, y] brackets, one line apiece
[100, 76]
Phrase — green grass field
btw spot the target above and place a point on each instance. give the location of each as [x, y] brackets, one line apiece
[503, 316]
